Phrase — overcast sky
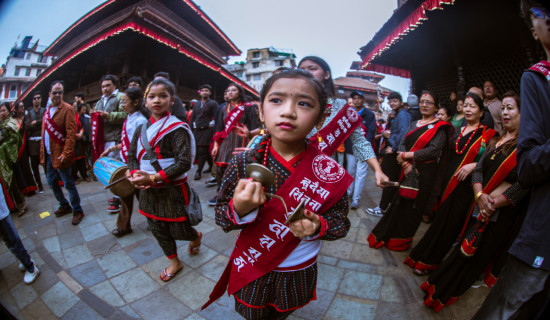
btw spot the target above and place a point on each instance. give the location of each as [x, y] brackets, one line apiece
[333, 30]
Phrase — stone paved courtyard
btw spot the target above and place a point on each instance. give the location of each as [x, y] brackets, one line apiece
[86, 273]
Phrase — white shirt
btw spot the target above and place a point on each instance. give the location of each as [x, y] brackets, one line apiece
[105, 99]
[46, 135]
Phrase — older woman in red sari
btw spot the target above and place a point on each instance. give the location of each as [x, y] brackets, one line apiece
[419, 150]
[467, 146]
[493, 219]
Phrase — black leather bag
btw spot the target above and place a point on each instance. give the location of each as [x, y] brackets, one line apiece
[194, 209]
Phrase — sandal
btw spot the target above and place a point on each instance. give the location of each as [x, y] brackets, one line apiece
[195, 245]
[166, 276]
[421, 273]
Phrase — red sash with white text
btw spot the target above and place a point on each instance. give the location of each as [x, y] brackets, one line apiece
[542, 67]
[125, 143]
[473, 151]
[98, 142]
[338, 130]
[231, 120]
[266, 242]
[56, 133]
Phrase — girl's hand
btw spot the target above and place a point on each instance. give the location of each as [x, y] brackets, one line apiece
[141, 179]
[105, 153]
[248, 196]
[379, 176]
[306, 226]
[214, 151]
[241, 130]
[128, 175]
[465, 171]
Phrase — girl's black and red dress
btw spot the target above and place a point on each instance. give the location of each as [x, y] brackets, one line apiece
[454, 203]
[457, 273]
[397, 227]
[290, 287]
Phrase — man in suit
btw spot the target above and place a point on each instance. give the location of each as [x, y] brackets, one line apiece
[56, 151]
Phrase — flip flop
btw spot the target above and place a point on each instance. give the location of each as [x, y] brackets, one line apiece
[195, 245]
[166, 276]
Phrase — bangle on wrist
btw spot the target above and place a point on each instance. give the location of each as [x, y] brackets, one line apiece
[478, 195]
[152, 177]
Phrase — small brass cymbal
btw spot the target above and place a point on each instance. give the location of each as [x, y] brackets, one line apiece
[260, 174]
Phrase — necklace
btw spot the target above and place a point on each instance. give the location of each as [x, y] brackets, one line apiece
[422, 123]
[498, 145]
[469, 139]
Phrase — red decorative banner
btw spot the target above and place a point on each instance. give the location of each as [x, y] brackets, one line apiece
[98, 143]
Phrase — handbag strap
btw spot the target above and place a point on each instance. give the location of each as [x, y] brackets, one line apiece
[152, 157]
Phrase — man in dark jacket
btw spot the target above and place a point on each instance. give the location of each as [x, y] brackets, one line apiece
[202, 121]
[33, 121]
[524, 280]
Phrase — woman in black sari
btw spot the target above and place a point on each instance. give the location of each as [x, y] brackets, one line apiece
[467, 146]
[500, 211]
[419, 150]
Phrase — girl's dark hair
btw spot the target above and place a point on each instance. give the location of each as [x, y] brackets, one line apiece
[328, 84]
[161, 81]
[242, 98]
[6, 104]
[257, 154]
[526, 6]
[136, 94]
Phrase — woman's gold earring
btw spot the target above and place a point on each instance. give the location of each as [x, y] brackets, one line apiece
[319, 138]
[262, 130]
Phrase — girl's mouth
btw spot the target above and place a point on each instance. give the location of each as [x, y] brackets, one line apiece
[285, 125]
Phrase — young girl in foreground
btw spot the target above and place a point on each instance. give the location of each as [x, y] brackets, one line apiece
[272, 270]
[164, 194]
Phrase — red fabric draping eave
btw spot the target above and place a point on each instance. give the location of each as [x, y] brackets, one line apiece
[389, 70]
[410, 23]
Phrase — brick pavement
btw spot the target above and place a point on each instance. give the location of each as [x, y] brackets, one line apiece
[86, 273]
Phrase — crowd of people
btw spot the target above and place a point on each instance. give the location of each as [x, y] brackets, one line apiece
[473, 167]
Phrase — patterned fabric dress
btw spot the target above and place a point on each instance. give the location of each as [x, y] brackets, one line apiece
[165, 207]
[10, 141]
[450, 216]
[276, 293]
[249, 119]
[457, 273]
[22, 169]
[397, 227]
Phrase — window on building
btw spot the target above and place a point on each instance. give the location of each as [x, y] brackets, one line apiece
[255, 54]
[28, 72]
[13, 91]
[16, 73]
[257, 76]
[24, 87]
[247, 77]
[255, 64]
[38, 72]
[239, 74]
[28, 56]
[279, 63]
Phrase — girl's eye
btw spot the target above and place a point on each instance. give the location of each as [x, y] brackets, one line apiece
[305, 104]
[275, 100]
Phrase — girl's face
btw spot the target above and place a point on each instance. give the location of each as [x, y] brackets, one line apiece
[232, 93]
[3, 113]
[510, 114]
[472, 112]
[442, 115]
[460, 106]
[290, 110]
[127, 104]
[159, 100]
[83, 110]
[318, 73]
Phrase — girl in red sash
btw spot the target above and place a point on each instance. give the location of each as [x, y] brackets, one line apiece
[236, 123]
[164, 194]
[272, 270]
[423, 144]
[467, 146]
[499, 198]
[131, 102]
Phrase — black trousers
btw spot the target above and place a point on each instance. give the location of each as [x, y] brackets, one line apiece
[392, 169]
[203, 156]
[79, 166]
[35, 165]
